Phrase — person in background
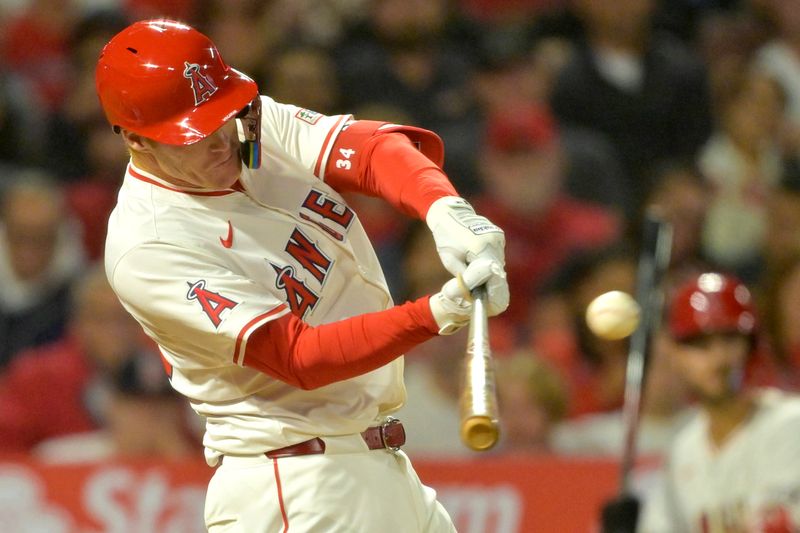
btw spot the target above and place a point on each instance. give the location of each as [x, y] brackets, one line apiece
[647, 93]
[68, 131]
[143, 417]
[780, 60]
[522, 175]
[417, 55]
[780, 304]
[40, 256]
[663, 412]
[735, 465]
[305, 75]
[63, 388]
[782, 239]
[592, 368]
[681, 195]
[532, 400]
[743, 163]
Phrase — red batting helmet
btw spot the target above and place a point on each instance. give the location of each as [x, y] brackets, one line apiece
[712, 303]
[166, 81]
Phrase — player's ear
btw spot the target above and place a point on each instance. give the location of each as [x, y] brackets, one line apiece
[134, 141]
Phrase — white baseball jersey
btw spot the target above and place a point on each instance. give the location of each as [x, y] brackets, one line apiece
[752, 483]
[200, 271]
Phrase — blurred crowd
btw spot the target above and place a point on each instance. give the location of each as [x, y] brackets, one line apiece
[563, 121]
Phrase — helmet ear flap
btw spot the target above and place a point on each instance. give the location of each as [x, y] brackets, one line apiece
[248, 128]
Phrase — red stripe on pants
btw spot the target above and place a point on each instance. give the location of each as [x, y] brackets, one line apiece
[280, 496]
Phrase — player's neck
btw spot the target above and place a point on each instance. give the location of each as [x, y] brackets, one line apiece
[725, 417]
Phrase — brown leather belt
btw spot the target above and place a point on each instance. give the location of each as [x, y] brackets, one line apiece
[390, 434]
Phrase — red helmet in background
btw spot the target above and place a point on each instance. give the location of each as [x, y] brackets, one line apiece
[166, 81]
[712, 303]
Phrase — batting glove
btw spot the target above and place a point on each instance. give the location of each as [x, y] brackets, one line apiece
[461, 235]
[452, 306]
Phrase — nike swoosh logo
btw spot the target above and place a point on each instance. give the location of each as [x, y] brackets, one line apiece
[227, 242]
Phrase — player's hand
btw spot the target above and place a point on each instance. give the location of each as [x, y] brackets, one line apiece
[461, 235]
[452, 306]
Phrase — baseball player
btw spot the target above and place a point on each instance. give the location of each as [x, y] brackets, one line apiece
[233, 248]
[735, 466]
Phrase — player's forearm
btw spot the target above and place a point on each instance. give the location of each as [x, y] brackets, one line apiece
[405, 177]
[309, 357]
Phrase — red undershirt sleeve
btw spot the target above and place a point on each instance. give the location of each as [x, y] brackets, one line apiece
[390, 167]
[309, 357]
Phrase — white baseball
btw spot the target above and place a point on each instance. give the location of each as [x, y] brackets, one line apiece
[613, 315]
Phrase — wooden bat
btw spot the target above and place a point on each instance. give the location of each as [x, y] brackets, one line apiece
[620, 514]
[479, 424]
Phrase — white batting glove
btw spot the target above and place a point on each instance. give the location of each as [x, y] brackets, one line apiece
[452, 306]
[461, 235]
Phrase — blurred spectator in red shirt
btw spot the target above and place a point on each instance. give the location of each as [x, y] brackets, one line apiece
[593, 368]
[143, 417]
[523, 175]
[64, 387]
[34, 45]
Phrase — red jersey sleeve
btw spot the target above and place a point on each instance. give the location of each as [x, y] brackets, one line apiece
[400, 164]
[309, 357]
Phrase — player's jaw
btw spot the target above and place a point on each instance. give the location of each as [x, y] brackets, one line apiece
[213, 163]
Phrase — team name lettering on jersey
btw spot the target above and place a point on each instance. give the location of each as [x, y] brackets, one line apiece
[213, 303]
[300, 298]
[321, 204]
[202, 85]
[308, 255]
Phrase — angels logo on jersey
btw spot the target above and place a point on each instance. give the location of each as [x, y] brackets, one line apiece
[300, 298]
[202, 85]
[213, 303]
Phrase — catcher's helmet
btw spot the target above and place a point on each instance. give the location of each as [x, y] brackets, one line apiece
[712, 303]
[166, 81]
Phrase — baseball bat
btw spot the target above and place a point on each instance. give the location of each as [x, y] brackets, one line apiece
[620, 515]
[480, 428]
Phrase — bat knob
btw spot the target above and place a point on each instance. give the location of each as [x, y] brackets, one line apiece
[480, 433]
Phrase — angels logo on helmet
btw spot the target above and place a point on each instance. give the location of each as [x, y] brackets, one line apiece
[202, 85]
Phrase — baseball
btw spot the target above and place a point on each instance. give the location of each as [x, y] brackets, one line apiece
[613, 315]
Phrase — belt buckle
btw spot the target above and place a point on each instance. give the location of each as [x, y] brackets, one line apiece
[390, 421]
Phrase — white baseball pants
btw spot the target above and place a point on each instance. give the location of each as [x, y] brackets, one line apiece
[346, 489]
